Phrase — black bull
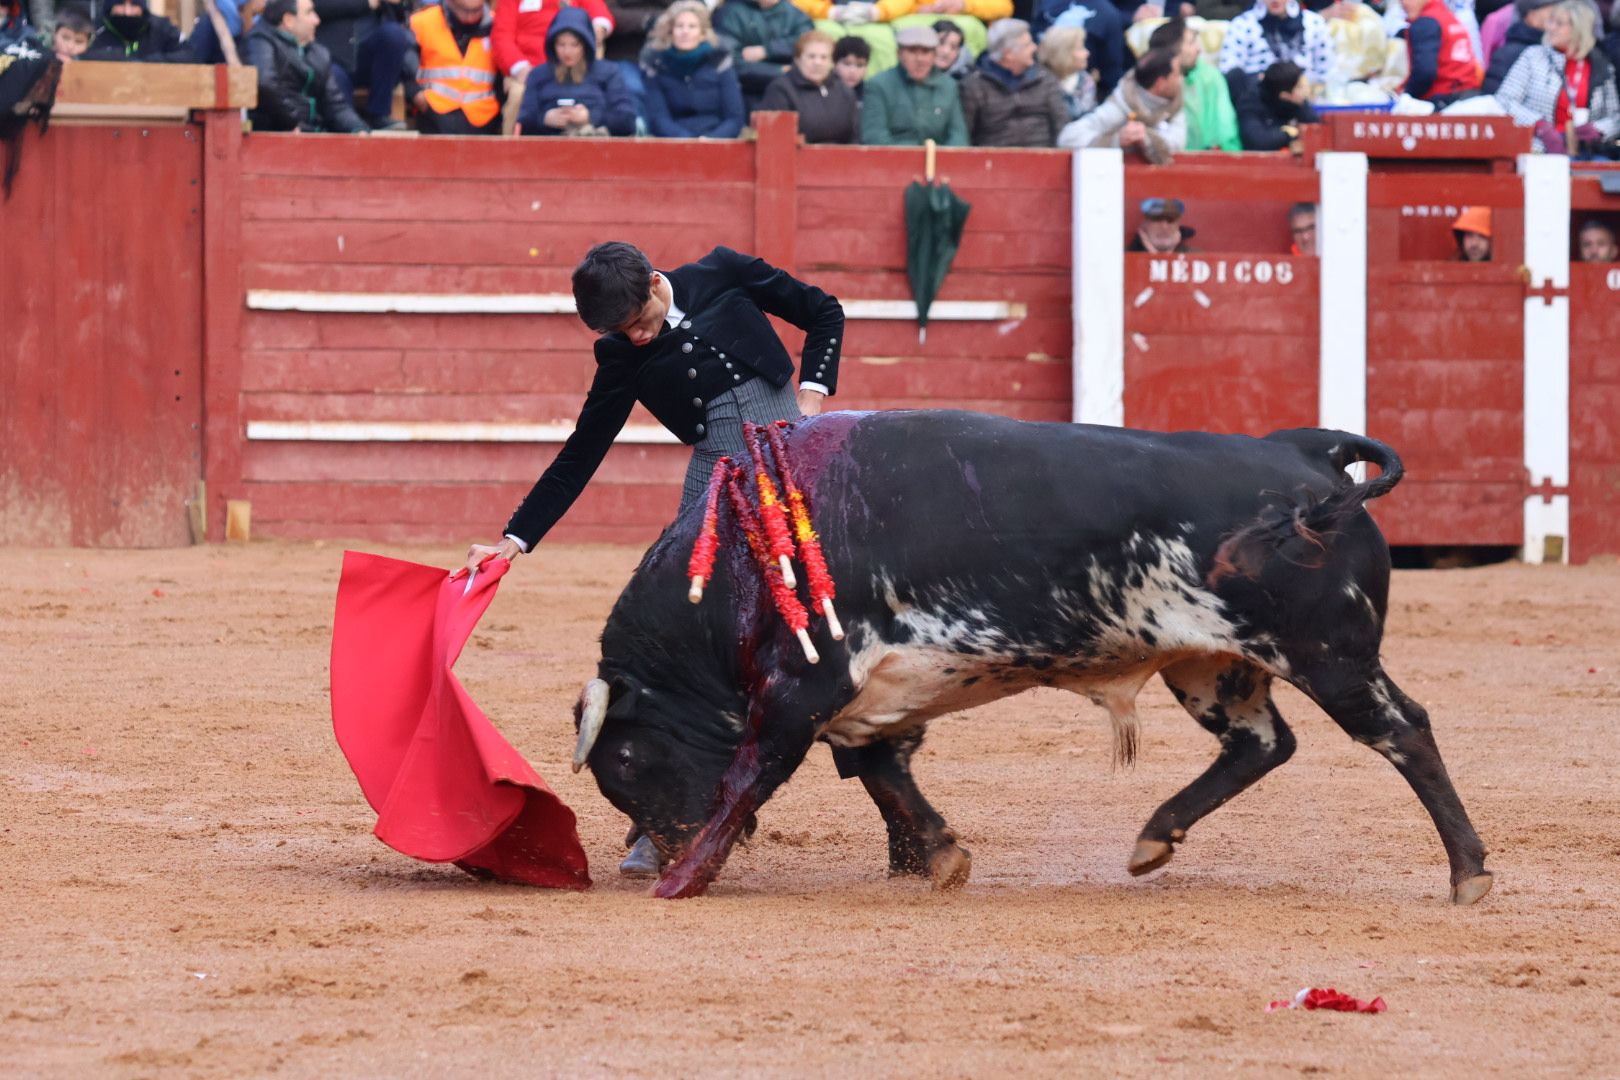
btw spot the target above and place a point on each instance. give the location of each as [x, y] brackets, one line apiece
[976, 557]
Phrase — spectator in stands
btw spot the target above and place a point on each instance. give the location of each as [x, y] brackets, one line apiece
[1564, 87]
[828, 110]
[450, 74]
[1161, 231]
[1440, 58]
[1274, 30]
[520, 38]
[368, 42]
[1063, 52]
[1221, 10]
[692, 88]
[296, 89]
[915, 102]
[1212, 122]
[73, 31]
[1104, 30]
[1010, 100]
[1302, 227]
[1597, 243]
[14, 24]
[1143, 114]
[632, 23]
[761, 36]
[1524, 31]
[1272, 112]
[204, 40]
[851, 55]
[129, 32]
[574, 93]
[953, 57]
[1473, 232]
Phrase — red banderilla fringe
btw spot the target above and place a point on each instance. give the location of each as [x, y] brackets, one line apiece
[701, 567]
[787, 601]
[770, 505]
[822, 590]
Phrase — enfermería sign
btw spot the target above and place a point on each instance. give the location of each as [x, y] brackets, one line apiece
[1182, 270]
[1412, 132]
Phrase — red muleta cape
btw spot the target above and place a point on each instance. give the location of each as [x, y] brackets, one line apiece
[447, 787]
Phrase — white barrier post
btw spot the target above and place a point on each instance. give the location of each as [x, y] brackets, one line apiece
[1341, 248]
[1546, 356]
[1097, 214]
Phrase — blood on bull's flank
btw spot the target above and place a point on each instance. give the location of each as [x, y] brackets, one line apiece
[974, 560]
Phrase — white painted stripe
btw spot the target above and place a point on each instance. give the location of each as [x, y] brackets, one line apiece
[1546, 351]
[434, 431]
[1341, 248]
[1097, 235]
[563, 304]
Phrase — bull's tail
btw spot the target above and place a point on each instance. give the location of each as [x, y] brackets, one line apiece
[1299, 527]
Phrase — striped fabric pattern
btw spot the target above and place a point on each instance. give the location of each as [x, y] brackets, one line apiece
[755, 400]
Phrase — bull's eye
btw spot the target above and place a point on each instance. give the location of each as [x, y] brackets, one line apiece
[624, 757]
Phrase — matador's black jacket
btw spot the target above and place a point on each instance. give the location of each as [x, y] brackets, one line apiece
[722, 341]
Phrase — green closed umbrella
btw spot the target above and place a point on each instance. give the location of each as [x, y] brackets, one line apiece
[935, 216]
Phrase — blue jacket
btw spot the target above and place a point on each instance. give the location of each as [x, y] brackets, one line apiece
[603, 90]
[1105, 34]
[1520, 36]
[705, 103]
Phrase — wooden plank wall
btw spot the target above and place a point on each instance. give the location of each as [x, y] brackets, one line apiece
[101, 338]
[1594, 435]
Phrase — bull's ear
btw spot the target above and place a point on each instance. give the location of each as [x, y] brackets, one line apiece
[622, 695]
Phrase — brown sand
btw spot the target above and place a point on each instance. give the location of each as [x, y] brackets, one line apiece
[191, 888]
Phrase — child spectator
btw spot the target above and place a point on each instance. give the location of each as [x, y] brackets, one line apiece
[1161, 231]
[851, 55]
[520, 39]
[1274, 30]
[1142, 115]
[915, 102]
[761, 35]
[451, 72]
[953, 57]
[1271, 113]
[72, 34]
[1597, 243]
[1440, 57]
[692, 88]
[296, 89]
[1565, 86]
[828, 110]
[130, 32]
[1063, 52]
[1473, 232]
[368, 42]
[1211, 118]
[1010, 100]
[574, 93]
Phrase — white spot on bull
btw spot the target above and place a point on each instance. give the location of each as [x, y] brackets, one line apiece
[1386, 746]
[1362, 600]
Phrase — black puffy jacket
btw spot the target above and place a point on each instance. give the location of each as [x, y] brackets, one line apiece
[296, 88]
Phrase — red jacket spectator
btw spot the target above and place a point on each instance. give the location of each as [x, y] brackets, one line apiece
[519, 35]
[1440, 55]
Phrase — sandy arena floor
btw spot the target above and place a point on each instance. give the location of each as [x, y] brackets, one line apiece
[191, 888]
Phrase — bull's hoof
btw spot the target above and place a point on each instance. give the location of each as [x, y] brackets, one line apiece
[1471, 890]
[907, 858]
[1149, 856]
[949, 868]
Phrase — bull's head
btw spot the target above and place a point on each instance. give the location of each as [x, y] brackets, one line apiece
[656, 755]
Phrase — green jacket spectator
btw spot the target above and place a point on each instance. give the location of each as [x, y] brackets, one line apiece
[1212, 121]
[898, 110]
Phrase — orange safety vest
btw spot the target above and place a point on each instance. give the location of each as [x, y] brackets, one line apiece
[449, 79]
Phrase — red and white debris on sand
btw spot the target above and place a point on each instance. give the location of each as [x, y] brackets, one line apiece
[1312, 998]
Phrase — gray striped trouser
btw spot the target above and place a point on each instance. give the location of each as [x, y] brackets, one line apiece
[755, 400]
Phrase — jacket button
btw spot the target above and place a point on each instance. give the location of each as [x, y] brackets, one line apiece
[686, 346]
[686, 324]
[728, 365]
[699, 429]
[691, 373]
[832, 341]
[697, 403]
[736, 378]
[722, 356]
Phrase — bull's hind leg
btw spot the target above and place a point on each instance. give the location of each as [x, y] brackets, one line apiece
[1232, 700]
[1371, 709]
[920, 842]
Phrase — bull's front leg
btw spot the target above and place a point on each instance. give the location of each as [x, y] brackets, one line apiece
[762, 764]
[920, 843]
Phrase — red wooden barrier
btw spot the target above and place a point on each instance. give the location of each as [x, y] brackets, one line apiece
[1594, 375]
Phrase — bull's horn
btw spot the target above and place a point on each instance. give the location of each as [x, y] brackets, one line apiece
[593, 703]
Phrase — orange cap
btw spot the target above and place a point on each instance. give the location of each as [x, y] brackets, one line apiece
[1474, 219]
